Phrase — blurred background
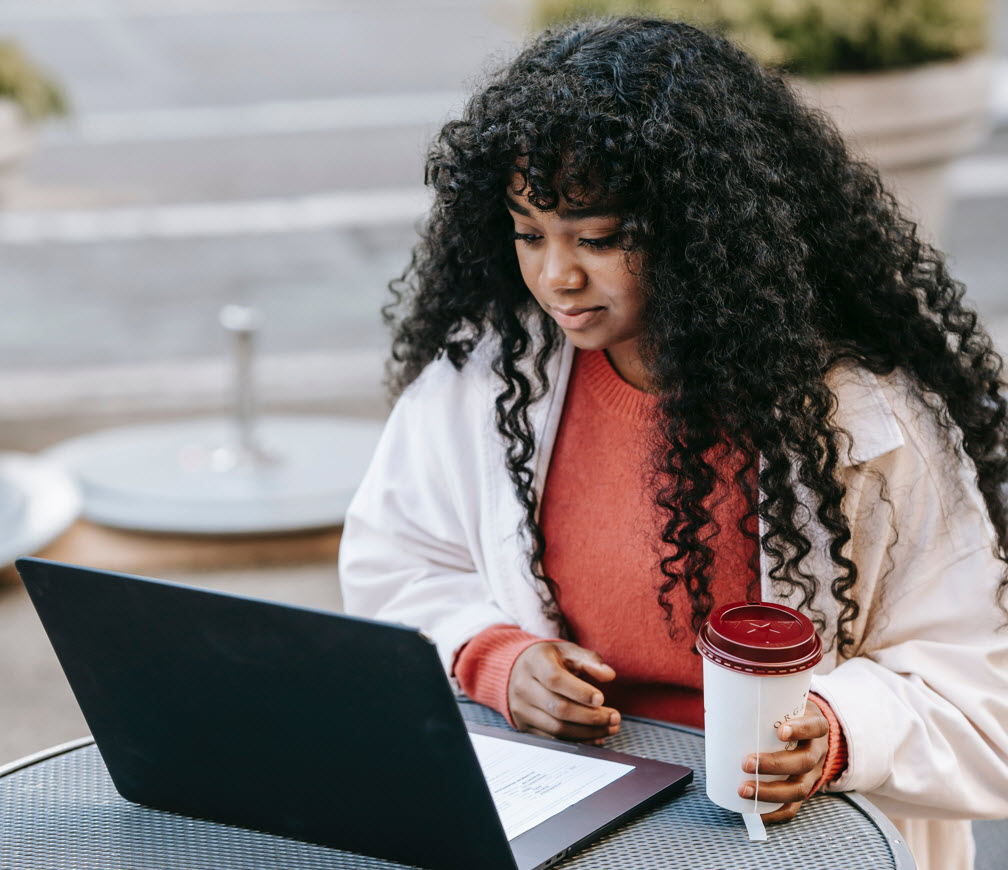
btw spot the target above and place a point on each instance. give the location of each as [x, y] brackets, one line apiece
[265, 153]
[180, 156]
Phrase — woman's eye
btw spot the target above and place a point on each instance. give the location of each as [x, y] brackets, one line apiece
[601, 244]
[527, 238]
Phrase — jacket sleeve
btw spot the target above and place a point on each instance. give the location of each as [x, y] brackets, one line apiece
[924, 701]
[410, 549]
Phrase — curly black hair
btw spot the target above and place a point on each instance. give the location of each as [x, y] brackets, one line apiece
[769, 255]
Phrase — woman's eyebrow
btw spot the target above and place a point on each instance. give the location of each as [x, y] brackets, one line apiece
[588, 211]
[516, 206]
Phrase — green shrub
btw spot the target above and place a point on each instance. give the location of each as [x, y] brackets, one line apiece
[816, 37]
[23, 82]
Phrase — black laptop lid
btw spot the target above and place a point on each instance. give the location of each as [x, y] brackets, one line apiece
[151, 661]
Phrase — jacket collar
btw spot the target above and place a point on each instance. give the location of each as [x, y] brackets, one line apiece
[863, 414]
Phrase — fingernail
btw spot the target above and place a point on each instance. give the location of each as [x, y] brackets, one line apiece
[786, 732]
[747, 791]
[750, 765]
[613, 729]
[614, 719]
[597, 699]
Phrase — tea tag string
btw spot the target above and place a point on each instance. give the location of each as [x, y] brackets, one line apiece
[753, 821]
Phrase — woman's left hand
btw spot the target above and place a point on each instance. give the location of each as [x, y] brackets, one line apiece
[803, 764]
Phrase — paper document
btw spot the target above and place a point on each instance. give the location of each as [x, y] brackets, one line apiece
[530, 783]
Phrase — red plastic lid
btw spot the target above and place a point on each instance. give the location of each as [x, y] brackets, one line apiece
[760, 639]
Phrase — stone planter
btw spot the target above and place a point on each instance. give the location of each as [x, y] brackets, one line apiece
[913, 124]
[15, 143]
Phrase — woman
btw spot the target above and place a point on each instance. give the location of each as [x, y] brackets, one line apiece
[665, 345]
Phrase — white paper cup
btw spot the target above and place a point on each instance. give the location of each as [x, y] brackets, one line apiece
[757, 666]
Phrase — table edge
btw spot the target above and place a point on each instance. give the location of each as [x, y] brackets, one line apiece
[44, 755]
[902, 856]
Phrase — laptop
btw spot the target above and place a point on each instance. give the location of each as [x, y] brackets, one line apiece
[318, 726]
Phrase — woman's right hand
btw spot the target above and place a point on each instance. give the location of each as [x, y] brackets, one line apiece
[546, 697]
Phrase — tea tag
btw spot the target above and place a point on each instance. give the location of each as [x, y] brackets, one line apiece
[754, 825]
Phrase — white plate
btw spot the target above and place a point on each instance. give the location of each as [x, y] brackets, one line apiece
[38, 502]
[183, 477]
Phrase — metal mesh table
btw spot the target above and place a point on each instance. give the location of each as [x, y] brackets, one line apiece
[60, 810]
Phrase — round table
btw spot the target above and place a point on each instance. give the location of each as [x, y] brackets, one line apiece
[59, 809]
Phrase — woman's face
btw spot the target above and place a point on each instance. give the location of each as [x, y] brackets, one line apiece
[572, 263]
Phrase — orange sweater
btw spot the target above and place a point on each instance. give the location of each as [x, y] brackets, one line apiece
[603, 546]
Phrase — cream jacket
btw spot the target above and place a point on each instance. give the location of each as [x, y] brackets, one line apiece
[432, 539]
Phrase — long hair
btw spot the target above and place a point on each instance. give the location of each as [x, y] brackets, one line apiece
[769, 254]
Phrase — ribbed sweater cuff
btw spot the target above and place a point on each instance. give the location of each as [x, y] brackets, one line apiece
[836, 754]
[483, 666]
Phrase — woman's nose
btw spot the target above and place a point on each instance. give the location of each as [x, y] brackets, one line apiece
[561, 269]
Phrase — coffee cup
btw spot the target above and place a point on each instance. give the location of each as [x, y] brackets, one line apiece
[757, 666]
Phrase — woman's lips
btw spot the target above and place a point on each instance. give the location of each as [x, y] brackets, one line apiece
[575, 318]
